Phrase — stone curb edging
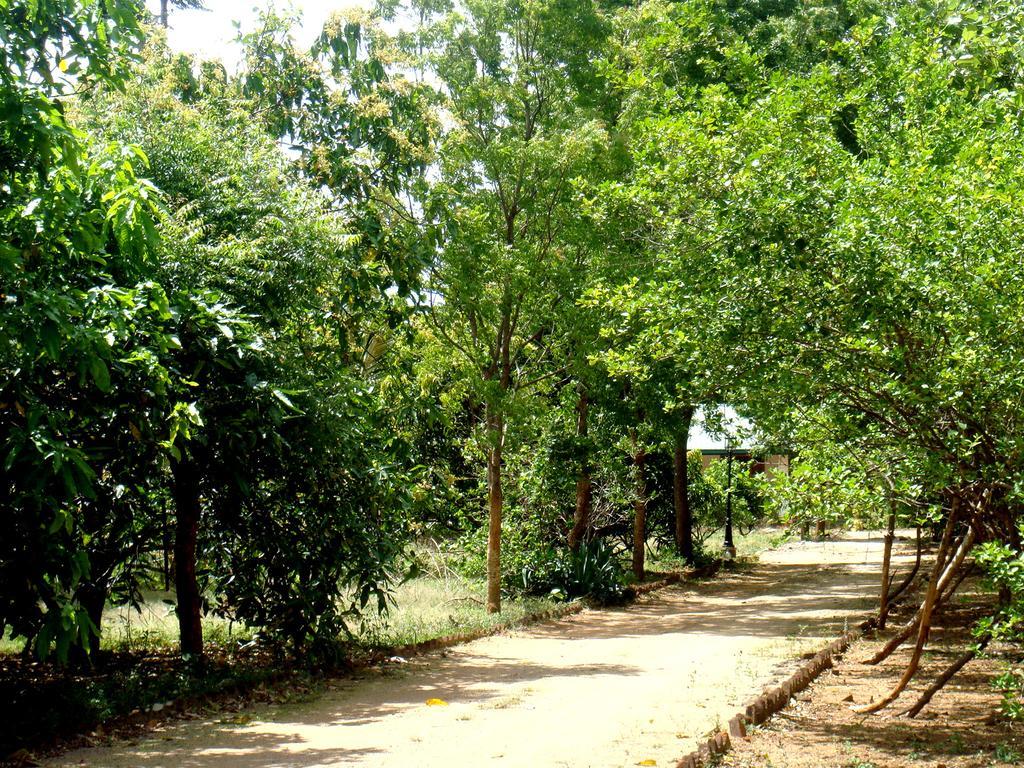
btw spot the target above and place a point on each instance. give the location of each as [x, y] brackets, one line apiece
[772, 700]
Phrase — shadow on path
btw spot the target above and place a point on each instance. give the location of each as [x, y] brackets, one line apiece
[638, 675]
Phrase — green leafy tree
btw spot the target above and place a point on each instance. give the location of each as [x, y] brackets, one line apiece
[280, 454]
[860, 217]
[513, 77]
[82, 330]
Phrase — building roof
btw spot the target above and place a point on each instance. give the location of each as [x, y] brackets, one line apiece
[715, 426]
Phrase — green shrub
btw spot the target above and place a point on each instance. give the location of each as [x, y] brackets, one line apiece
[707, 497]
[592, 571]
[1004, 571]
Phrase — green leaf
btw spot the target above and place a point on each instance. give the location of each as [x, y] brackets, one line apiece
[100, 373]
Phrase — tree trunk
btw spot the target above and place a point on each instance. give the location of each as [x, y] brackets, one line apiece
[910, 576]
[168, 544]
[495, 435]
[188, 508]
[927, 607]
[883, 598]
[581, 517]
[639, 508]
[93, 598]
[946, 676]
[956, 666]
[163, 13]
[94, 603]
[946, 588]
[681, 490]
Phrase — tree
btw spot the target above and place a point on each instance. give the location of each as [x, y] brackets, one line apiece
[513, 78]
[267, 288]
[363, 127]
[864, 257]
[82, 330]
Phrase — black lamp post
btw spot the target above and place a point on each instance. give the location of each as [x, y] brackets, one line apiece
[729, 547]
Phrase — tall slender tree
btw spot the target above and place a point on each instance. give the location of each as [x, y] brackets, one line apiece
[515, 80]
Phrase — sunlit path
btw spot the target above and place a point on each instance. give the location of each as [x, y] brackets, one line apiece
[608, 688]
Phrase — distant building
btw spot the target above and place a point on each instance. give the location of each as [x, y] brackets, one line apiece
[718, 431]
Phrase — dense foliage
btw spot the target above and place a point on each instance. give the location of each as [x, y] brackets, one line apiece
[472, 271]
[188, 341]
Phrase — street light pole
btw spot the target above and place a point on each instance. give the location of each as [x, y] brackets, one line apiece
[729, 547]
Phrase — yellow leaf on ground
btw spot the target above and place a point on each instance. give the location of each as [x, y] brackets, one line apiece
[648, 762]
[437, 703]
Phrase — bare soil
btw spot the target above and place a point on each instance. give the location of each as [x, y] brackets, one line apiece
[960, 728]
[602, 688]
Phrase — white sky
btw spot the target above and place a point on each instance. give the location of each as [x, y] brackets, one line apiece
[211, 33]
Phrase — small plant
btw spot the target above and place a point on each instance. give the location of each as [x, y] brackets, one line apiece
[956, 744]
[1005, 753]
[1011, 684]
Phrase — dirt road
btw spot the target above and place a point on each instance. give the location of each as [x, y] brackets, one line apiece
[602, 688]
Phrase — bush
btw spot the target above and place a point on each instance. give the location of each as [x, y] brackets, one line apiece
[1004, 571]
[707, 496]
[592, 571]
[747, 493]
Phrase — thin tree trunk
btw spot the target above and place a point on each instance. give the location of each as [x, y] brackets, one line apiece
[910, 576]
[167, 546]
[924, 625]
[957, 665]
[964, 573]
[944, 593]
[188, 509]
[681, 490]
[945, 677]
[94, 604]
[93, 599]
[883, 598]
[895, 641]
[163, 13]
[639, 508]
[581, 517]
[495, 500]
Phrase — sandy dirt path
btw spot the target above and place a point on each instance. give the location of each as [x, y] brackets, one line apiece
[602, 688]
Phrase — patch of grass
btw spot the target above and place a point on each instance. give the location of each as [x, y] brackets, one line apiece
[664, 559]
[748, 547]
[434, 606]
[752, 544]
[151, 627]
[154, 627]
